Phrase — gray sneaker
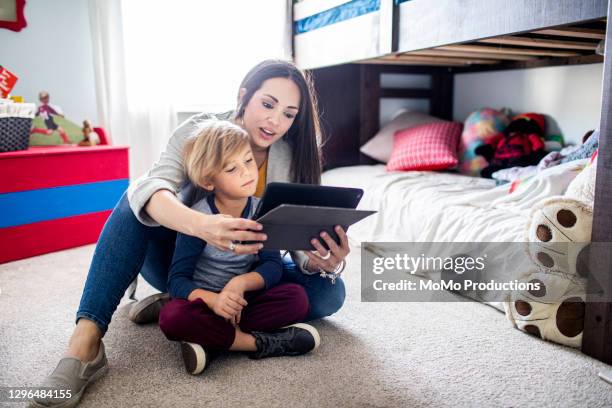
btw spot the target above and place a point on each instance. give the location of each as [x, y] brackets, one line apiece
[72, 376]
[147, 310]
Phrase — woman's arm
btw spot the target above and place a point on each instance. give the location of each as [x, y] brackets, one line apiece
[166, 174]
[219, 230]
[154, 202]
[165, 208]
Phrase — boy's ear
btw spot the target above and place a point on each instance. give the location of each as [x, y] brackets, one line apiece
[207, 184]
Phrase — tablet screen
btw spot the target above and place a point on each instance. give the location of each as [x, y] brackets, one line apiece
[307, 194]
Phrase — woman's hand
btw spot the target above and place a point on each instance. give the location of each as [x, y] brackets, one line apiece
[334, 256]
[220, 230]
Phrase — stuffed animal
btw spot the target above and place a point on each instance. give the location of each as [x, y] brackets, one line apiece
[521, 144]
[558, 233]
[478, 128]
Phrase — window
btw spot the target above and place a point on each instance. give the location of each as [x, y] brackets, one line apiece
[195, 52]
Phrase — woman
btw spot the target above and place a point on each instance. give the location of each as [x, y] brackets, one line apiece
[276, 106]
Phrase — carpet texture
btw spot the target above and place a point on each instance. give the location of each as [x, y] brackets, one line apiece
[372, 354]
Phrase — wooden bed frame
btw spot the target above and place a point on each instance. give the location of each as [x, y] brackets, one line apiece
[435, 38]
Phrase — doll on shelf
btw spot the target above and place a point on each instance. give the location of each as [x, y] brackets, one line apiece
[48, 112]
[87, 135]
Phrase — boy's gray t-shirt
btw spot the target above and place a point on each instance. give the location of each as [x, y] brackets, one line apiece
[215, 267]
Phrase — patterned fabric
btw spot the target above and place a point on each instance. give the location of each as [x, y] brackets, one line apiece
[515, 147]
[432, 146]
[480, 126]
[585, 150]
[380, 146]
[14, 134]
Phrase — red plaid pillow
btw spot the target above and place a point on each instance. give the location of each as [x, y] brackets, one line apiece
[432, 146]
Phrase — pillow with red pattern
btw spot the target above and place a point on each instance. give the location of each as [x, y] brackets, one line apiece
[380, 146]
[432, 146]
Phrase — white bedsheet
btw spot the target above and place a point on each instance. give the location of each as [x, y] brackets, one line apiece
[444, 207]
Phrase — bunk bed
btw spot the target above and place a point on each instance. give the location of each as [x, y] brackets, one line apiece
[348, 45]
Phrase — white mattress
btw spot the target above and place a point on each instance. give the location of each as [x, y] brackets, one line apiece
[418, 206]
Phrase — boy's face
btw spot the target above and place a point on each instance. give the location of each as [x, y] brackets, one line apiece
[238, 179]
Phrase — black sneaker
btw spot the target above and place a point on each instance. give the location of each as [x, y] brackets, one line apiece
[196, 359]
[294, 340]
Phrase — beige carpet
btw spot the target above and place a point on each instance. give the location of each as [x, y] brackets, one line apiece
[372, 355]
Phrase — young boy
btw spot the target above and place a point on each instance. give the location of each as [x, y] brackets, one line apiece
[221, 300]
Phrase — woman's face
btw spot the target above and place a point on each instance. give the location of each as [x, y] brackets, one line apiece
[271, 111]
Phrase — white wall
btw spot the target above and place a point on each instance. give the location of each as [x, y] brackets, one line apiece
[390, 106]
[54, 53]
[571, 95]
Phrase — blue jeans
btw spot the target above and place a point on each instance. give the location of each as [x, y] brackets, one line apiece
[126, 247]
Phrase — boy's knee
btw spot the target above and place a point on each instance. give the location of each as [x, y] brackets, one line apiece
[172, 319]
[296, 296]
[300, 299]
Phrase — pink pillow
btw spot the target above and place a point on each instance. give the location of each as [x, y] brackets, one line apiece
[381, 145]
[432, 146]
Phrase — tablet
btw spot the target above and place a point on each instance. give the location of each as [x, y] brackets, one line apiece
[277, 194]
[292, 227]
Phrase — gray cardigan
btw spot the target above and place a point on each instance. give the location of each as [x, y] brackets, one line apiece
[168, 172]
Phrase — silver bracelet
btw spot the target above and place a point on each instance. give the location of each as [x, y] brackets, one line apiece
[334, 274]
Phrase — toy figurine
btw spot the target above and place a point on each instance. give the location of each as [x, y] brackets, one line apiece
[87, 130]
[47, 112]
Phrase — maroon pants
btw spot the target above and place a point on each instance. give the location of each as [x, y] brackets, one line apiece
[195, 322]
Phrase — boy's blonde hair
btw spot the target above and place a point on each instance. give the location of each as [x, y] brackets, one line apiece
[212, 144]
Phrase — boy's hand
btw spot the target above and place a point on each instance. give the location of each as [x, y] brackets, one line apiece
[228, 304]
[236, 286]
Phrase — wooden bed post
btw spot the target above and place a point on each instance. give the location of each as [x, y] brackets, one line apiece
[339, 95]
[441, 104]
[597, 336]
[369, 105]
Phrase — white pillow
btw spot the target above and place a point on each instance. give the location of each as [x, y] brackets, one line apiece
[381, 145]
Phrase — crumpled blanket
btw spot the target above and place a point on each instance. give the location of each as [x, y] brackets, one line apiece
[565, 155]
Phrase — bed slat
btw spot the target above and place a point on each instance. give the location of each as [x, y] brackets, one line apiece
[540, 43]
[575, 32]
[466, 54]
[509, 50]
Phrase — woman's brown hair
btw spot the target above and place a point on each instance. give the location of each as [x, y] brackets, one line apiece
[304, 135]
